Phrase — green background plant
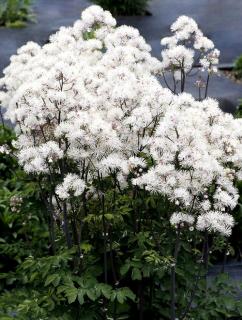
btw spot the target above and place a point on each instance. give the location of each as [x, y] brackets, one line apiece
[238, 67]
[15, 13]
[124, 7]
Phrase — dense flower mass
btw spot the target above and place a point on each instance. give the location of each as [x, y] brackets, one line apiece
[88, 105]
[196, 148]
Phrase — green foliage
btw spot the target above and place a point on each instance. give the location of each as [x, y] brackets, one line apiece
[124, 7]
[15, 13]
[54, 287]
[220, 297]
[23, 228]
[238, 112]
[238, 67]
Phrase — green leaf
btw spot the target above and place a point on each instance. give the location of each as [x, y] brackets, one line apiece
[120, 297]
[91, 294]
[122, 294]
[71, 294]
[229, 303]
[125, 268]
[128, 293]
[109, 216]
[80, 296]
[136, 274]
[106, 290]
[53, 278]
[86, 247]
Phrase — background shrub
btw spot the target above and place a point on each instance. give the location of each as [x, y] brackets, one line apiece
[14, 13]
[23, 230]
[124, 7]
[238, 67]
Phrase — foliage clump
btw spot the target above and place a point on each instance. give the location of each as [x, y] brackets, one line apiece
[238, 67]
[124, 7]
[15, 13]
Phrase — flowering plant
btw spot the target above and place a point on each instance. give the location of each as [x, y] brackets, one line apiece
[124, 164]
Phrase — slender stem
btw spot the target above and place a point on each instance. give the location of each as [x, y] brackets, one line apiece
[49, 207]
[194, 286]
[52, 225]
[193, 293]
[206, 251]
[1, 116]
[173, 276]
[115, 310]
[77, 241]
[64, 210]
[183, 78]
[84, 201]
[174, 83]
[115, 279]
[135, 209]
[167, 82]
[66, 226]
[206, 88]
[206, 258]
[141, 301]
[225, 256]
[105, 248]
[151, 293]
[105, 240]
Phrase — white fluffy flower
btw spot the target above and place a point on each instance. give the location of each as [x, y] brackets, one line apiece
[217, 222]
[177, 57]
[186, 43]
[179, 217]
[72, 185]
[184, 27]
[4, 149]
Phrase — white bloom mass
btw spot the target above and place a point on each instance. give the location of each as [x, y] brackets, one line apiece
[178, 217]
[89, 104]
[71, 184]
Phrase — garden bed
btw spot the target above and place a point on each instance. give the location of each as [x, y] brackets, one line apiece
[138, 184]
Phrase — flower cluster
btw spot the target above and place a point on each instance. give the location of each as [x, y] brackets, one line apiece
[88, 105]
[72, 183]
[16, 203]
[4, 149]
[197, 151]
[186, 48]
